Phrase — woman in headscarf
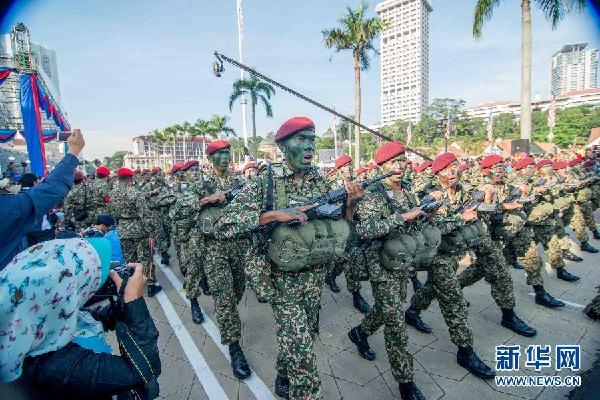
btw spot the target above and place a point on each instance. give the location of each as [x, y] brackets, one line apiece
[49, 341]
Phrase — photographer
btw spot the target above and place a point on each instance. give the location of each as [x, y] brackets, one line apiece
[20, 213]
[52, 345]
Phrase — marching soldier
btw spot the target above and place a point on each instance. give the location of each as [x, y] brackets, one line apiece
[275, 197]
[223, 258]
[78, 203]
[134, 231]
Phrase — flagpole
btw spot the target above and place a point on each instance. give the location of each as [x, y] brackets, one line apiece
[244, 102]
[335, 146]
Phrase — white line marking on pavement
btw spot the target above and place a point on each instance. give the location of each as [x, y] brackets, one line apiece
[576, 305]
[207, 379]
[255, 384]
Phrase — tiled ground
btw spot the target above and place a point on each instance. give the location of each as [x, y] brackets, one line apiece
[345, 375]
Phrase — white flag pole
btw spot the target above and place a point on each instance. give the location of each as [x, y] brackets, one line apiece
[240, 18]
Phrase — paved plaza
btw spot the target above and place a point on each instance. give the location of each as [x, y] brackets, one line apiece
[194, 365]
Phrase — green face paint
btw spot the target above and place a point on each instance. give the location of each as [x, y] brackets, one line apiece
[299, 150]
[221, 159]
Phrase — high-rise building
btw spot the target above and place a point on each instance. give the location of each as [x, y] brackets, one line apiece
[404, 46]
[573, 69]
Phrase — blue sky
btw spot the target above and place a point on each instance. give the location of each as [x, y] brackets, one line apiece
[127, 67]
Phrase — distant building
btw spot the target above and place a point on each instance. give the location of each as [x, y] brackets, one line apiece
[573, 69]
[404, 47]
[148, 153]
[570, 99]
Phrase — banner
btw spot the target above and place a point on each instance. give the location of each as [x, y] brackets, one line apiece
[32, 124]
[6, 135]
[4, 73]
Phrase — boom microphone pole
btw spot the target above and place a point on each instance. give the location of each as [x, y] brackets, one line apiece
[218, 70]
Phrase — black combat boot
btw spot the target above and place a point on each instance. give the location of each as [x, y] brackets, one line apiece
[330, 281]
[282, 387]
[360, 303]
[152, 289]
[412, 318]
[467, 359]
[357, 337]
[164, 258]
[241, 369]
[568, 255]
[543, 298]
[410, 391]
[561, 273]
[518, 265]
[204, 286]
[591, 312]
[416, 283]
[596, 234]
[585, 246]
[515, 324]
[197, 316]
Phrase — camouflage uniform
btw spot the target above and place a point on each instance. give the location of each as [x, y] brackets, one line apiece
[442, 282]
[223, 261]
[375, 220]
[79, 199]
[101, 189]
[157, 202]
[297, 295]
[134, 231]
[183, 215]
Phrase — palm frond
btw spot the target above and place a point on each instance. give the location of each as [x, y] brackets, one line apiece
[267, 106]
[484, 9]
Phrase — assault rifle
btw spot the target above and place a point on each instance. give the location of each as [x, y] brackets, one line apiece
[229, 194]
[429, 205]
[328, 205]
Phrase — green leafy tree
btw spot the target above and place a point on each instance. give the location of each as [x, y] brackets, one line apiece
[218, 126]
[257, 91]
[115, 161]
[554, 11]
[506, 126]
[356, 34]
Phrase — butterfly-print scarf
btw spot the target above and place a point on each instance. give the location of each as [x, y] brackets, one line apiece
[41, 292]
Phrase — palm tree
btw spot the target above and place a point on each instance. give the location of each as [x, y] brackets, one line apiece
[218, 126]
[256, 90]
[160, 138]
[183, 131]
[554, 11]
[171, 133]
[356, 34]
[201, 127]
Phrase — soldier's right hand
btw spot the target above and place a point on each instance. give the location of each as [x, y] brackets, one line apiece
[412, 214]
[218, 197]
[469, 215]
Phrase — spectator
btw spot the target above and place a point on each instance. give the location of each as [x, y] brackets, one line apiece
[60, 349]
[105, 227]
[20, 213]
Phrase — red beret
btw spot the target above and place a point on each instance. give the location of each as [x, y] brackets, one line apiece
[189, 164]
[125, 172]
[556, 165]
[491, 160]
[176, 167]
[372, 166]
[103, 171]
[464, 167]
[388, 151]
[217, 145]
[155, 170]
[250, 165]
[145, 171]
[423, 166]
[442, 161]
[541, 163]
[588, 163]
[360, 170]
[342, 160]
[522, 163]
[292, 126]
[574, 162]
[79, 176]
[138, 171]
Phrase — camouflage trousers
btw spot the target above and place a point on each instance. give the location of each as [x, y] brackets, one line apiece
[490, 263]
[337, 268]
[578, 223]
[223, 268]
[522, 247]
[138, 251]
[388, 311]
[160, 232]
[588, 215]
[442, 284]
[296, 305]
[181, 245]
[195, 264]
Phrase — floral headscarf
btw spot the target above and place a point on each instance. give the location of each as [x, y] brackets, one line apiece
[41, 292]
